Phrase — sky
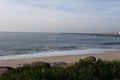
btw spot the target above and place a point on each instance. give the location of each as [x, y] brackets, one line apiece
[70, 16]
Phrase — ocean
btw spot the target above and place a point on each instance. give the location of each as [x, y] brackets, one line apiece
[16, 45]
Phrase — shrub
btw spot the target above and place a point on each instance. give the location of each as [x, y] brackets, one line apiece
[83, 70]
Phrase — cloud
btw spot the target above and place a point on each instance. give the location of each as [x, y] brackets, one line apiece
[59, 15]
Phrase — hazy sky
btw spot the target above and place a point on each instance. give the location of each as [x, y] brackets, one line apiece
[60, 15]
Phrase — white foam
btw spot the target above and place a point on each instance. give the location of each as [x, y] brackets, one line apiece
[56, 53]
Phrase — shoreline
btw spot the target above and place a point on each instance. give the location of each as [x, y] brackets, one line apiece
[57, 53]
[70, 59]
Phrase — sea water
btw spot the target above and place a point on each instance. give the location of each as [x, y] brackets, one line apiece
[15, 45]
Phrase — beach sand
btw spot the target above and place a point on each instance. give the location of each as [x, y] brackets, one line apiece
[114, 55]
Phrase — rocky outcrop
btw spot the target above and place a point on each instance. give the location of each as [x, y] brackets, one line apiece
[92, 58]
[5, 70]
[24, 65]
[41, 63]
[45, 64]
[58, 64]
[53, 64]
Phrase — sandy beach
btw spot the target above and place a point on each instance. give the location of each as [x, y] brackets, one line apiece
[114, 55]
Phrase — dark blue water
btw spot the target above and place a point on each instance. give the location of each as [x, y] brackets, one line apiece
[47, 44]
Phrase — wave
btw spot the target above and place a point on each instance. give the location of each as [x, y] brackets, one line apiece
[56, 53]
[114, 43]
[62, 48]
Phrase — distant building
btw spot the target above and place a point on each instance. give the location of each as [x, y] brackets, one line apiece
[113, 34]
[118, 32]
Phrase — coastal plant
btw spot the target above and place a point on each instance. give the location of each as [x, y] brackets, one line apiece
[85, 69]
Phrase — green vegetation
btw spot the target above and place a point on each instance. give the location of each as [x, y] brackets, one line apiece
[83, 70]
